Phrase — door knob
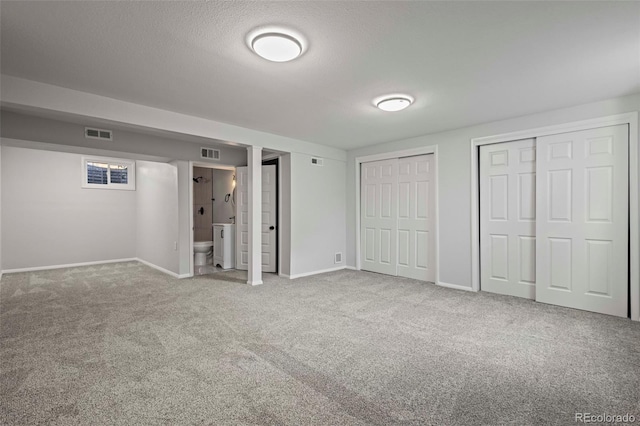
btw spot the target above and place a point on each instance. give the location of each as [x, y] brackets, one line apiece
[272, 227]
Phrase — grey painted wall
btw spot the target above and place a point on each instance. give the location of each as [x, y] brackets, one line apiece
[318, 203]
[31, 128]
[157, 214]
[48, 219]
[454, 177]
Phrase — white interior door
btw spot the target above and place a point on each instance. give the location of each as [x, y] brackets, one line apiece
[269, 204]
[582, 220]
[379, 219]
[416, 218]
[242, 218]
[507, 218]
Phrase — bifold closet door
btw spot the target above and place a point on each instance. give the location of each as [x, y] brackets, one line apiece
[582, 220]
[416, 218]
[379, 217]
[507, 218]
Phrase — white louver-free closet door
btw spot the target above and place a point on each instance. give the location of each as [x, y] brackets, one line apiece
[379, 217]
[582, 220]
[507, 218]
[397, 223]
[416, 218]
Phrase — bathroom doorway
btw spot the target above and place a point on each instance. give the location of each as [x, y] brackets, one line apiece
[213, 210]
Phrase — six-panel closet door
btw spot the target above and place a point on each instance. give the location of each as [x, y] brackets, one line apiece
[583, 219]
[379, 217]
[554, 219]
[397, 221]
[507, 218]
[416, 218]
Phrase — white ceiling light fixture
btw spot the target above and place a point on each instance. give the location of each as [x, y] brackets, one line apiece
[276, 45]
[392, 103]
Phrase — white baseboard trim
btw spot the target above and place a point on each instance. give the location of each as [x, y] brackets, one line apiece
[322, 271]
[454, 286]
[69, 265]
[351, 268]
[181, 276]
[254, 282]
[159, 268]
[284, 275]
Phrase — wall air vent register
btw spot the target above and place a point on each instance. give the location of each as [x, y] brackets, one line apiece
[210, 153]
[91, 133]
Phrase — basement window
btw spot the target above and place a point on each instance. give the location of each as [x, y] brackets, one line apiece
[108, 173]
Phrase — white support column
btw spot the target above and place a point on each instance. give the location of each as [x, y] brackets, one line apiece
[254, 163]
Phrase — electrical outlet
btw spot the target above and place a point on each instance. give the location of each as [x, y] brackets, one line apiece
[175, 245]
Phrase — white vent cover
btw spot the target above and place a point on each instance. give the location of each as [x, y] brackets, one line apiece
[91, 133]
[316, 161]
[210, 153]
[338, 258]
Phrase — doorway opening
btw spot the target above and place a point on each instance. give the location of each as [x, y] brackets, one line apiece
[213, 215]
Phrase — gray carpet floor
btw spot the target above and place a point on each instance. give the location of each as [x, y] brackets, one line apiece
[125, 344]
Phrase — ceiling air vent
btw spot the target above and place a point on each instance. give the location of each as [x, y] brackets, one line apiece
[92, 133]
[316, 161]
[210, 153]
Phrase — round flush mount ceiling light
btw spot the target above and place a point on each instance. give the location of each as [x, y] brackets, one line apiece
[393, 103]
[276, 45]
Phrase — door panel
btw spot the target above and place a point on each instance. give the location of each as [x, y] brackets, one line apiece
[416, 218]
[268, 219]
[583, 220]
[507, 218]
[378, 224]
[269, 205]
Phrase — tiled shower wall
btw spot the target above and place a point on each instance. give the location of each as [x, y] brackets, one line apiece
[202, 195]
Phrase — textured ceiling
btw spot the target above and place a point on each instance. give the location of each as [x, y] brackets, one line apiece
[464, 62]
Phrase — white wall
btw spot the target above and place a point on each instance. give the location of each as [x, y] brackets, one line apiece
[184, 216]
[285, 214]
[455, 180]
[48, 219]
[0, 213]
[157, 215]
[318, 225]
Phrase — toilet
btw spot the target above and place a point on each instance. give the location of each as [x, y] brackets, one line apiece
[203, 252]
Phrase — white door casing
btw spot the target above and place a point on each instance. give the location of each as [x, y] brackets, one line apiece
[379, 220]
[582, 220]
[269, 203]
[507, 218]
[242, 218]
[416, 218]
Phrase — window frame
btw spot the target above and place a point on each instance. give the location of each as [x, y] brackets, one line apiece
[109, 161]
